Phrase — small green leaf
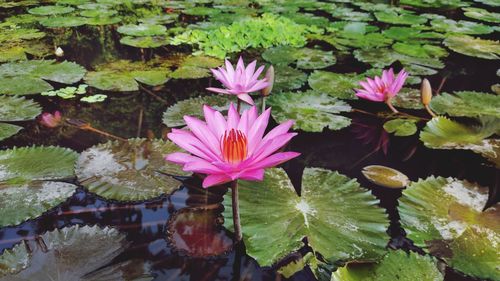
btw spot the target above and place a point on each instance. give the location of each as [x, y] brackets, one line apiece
[8, 130]
[94, 98]
[401, 127]
[338, 85]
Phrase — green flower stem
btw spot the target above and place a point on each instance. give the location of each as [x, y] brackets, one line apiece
[263, 104]
[236, 211]
[389, 104]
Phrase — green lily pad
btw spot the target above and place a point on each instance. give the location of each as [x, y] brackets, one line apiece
[20, 202]
[385, 176]
[123, 75]
[311, 110]
[455, 228]
[142, 29]
[406, 18]
[19, 165]
[405, 34]
[357, 232]
[440, 4]
[94, 98]
[462, 27]
[201, 11]
[468, 103]
[18, 109]
[103, 21]
[338, 85]
[493, 3]
[396, 264]
[145, 42]
[128, 171]
[482, 14]
[474, 47]
[401, 127]
[27, 77]
[408, 98]
[50, 10]
[315, 59]
[280, 55]
[63, 21]
[174, 115]
[287, 78]
[73, 253]
[420, 51]
[8, 130]
[98, 13]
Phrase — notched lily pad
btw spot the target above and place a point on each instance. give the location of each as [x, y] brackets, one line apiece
[445, 217]
[474, 47]
[385, 176]
[311, 110]
[8, 130]
[18, 109]
[401, 127]
[338, 85]
[129, 171]
[467, 103]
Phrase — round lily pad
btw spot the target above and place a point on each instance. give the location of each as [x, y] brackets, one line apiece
[142, 29]
[462, 27]
[408, 98]
[329, 203]
[396, 264]
[145, 42]
[474, 47]
[8, 130]
[482, 14]
[287, 78]
[50, 10]
[314, 58]
[467, 103]
[312, 111]
[128, 171]
[338, 85]
[455, 228]
[18, 109]
[63, 21]
[401, 127]
[406, 18]
[72, 253]
[385, 176]
[280, 55]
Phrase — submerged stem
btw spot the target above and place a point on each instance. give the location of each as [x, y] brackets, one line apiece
[236, 211]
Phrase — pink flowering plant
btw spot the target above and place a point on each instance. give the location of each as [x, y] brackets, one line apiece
[384, 88]
[240, 81]
[51, 120]
[226, 149]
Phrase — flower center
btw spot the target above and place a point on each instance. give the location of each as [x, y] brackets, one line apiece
[234, 146]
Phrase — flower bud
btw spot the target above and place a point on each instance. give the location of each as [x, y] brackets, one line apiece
[426, 92]
[51, 120]
[59, 52]
[270, 79]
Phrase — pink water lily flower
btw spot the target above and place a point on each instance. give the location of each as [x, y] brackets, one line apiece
[240, 81]
[382, 88]
[232, 148]
[51, 120]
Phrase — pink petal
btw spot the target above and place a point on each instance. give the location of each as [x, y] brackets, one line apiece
[219, 76]
[257, 130]
[203, 133]
[279, 130]
[257, 73]
[261, 84]
[189, 142]
[202, 167]
[180, 158]
[275, 159]
[252, 115]
[215, 121]
[233, 117]
[243, 124]
[230, 71]
[215, 179]
[249, 71]
[252, 175]
[370, 97]
[267, 148]
[219, 90]
[246, 98]
[240, 65]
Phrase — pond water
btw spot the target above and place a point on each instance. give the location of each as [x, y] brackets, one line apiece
[161, 224]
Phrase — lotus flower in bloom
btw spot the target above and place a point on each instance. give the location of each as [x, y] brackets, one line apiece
[382, 88]
[51, 120]
[240, 81]
[232, 148]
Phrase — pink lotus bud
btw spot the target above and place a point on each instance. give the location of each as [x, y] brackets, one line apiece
[51, 120]
[269, 79]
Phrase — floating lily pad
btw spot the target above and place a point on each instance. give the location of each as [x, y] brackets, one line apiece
[19, 202]
[396, 264]
[356, 232]
[420, 51]
[287, 78]
[27, 77]
[493, 3]
[73, 253]
[94, 98]
[312, 111]
[482, 14]
[338, 85]
[24, 164]
[123, 75]
[8, 130]
[385, 176]
[406, 18]
[462, 27]
[280, 55]
[405, 34]
[314, 58]
[142, 29]
[128, 171]
[174, 115]
[408, 98]
[442, 133]
[195, 67]
[63, 21]
[401, 127]
[50, 10]
[470, 104]
[439, 4]
[145, 42]
[474, 47]
[455, 228]
[18, 109]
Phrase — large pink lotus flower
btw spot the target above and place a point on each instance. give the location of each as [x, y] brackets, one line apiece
[382, 89]
[231, 149]
[240, 81]
[51, 120]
